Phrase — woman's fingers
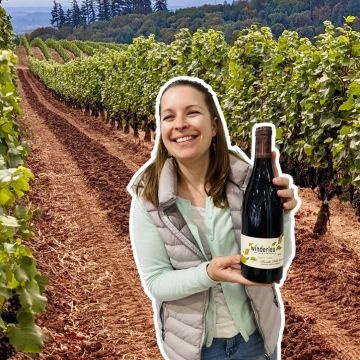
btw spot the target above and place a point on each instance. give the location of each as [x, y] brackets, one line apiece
[286, 191]
[290, 204]
[227, 269]
[288, 197]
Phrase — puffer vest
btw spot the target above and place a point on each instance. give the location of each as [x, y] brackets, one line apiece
[180, 324]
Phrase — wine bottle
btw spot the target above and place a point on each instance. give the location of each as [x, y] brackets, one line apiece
[262, 245]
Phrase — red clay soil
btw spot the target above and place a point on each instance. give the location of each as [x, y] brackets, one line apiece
[38, 53]
[55, 55]
[97, 307]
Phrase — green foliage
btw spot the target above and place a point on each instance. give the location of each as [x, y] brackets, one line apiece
[207, 50]
[113, 46]
[309, 91]
[85, 86]
[25, 335]
[12, 152]
[25, 43]
[97, 46]
[51, 43]
[6, 34]
[104, 46]
[38, 42]
[18, 274]
[71, 46]
[85, 48]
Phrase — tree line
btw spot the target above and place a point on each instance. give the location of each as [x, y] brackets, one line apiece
[128, 20]
[89, 11]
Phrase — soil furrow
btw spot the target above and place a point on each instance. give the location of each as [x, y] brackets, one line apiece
[103, 172]
[332, 269]
[338, 342]
[302, 340]
[96, 301]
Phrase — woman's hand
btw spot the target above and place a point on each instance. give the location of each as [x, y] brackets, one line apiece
[227, 269]
[287, 191]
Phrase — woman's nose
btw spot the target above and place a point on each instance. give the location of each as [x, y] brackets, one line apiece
[180, 122]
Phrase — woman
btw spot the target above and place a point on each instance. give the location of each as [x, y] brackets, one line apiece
[185, 225]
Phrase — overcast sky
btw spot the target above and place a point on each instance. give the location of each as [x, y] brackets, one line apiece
[49, 3]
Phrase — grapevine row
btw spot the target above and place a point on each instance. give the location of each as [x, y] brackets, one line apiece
[38, 42]
[310, 91]
[25, 43]
[76, 47]
[71, 46]
[53, 44]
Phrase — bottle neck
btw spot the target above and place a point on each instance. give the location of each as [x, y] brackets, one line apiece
[263, 147]
[263, 161]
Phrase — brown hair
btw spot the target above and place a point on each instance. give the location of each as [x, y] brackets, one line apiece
[217, 173]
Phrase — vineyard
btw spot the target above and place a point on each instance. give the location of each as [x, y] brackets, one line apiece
[81, 99]
[309, 91]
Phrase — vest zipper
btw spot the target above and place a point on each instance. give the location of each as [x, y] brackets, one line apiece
[206, 305]
[276, 300]
[162, 320]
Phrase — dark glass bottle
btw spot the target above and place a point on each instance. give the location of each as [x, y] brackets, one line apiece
[262, 245]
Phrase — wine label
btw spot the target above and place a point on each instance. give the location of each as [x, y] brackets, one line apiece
[262, 253]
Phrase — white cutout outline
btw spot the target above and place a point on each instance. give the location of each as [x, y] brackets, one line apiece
[246, 158]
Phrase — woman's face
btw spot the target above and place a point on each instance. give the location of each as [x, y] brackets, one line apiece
[186, 124]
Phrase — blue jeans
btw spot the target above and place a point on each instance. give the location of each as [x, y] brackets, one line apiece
[236, 348]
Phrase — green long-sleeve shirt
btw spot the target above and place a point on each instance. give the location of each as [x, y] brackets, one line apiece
[163, 283]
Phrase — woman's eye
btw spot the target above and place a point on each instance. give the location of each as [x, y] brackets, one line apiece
[193, 113]
[167, 118]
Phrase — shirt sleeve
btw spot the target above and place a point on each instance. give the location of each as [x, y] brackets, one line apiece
[160, 280]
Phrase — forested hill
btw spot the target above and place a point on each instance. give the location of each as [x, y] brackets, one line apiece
[304, 16]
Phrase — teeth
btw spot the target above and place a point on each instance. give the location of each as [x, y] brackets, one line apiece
[185, 138]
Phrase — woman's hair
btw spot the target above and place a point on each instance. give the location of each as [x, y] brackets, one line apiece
[217, 173]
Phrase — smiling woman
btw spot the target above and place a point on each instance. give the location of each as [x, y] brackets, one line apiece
[184, 227]
[187, 129]
[188, 108]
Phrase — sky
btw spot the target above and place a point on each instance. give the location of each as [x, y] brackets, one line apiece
[49, 3]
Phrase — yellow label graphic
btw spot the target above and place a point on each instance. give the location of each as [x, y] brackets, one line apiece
[262, 253]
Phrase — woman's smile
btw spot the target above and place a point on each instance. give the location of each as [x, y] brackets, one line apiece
[184, 138]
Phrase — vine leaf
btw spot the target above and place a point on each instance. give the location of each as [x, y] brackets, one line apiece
[25, 335]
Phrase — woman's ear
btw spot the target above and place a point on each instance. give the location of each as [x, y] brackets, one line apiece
[214, 126]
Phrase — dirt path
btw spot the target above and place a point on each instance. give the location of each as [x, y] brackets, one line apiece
[323, 283]
[97, 308]
[38, 53]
